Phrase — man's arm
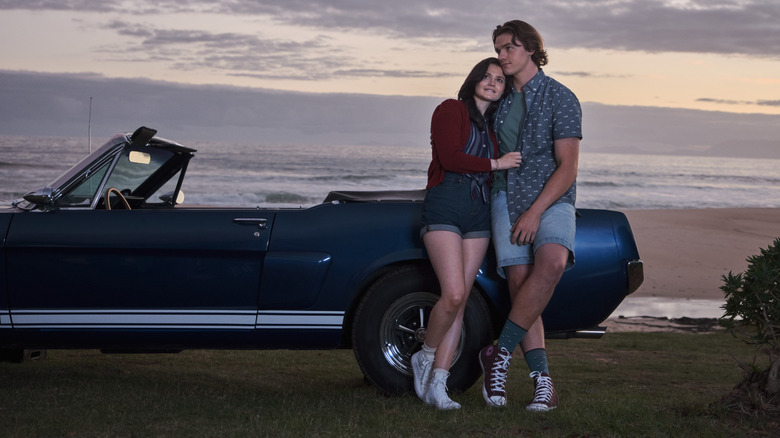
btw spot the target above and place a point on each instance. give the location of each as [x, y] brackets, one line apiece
[567, 155]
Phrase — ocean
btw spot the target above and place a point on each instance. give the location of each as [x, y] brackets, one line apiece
[292, 176]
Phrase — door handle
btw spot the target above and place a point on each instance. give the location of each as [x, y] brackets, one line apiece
[262, 223]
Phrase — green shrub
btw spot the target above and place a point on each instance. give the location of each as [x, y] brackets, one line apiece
[753, 302]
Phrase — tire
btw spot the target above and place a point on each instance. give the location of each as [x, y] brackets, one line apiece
[18, 355]
[390, 324]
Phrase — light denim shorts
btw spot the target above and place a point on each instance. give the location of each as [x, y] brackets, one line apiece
[449, 206]
[558, 225]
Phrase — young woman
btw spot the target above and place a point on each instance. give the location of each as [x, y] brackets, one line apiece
[456, 217]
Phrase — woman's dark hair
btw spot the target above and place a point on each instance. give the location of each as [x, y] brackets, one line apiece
[526, 35]
[466, 93]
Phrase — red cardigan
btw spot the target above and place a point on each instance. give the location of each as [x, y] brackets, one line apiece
[450, 130]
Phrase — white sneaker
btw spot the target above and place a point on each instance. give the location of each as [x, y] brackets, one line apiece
[437, 392]
[421, 370]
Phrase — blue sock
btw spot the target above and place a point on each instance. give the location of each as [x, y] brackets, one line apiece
[511, 335]
[537, 360]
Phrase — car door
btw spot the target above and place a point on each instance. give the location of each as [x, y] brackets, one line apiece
[159, 270]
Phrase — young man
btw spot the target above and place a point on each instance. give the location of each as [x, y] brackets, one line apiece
[532, 207]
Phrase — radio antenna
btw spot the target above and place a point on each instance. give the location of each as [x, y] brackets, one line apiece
[89, 126]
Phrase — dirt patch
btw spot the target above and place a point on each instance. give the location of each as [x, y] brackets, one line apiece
[749, 401]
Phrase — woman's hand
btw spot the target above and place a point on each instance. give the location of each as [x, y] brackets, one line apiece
[509, 160]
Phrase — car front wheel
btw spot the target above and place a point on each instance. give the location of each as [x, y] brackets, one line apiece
[390, 325]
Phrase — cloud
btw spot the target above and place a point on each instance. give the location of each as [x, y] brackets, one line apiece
[394, 73]
[242, 55]
[58, 105]
[226, 51]
[674, 131]
[691, 26]
[584, 74]
[740, 102]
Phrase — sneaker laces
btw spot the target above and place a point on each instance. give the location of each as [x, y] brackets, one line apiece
[500, 368]
[437, 395]
[439, 385]
[544, 388]
[421, 371]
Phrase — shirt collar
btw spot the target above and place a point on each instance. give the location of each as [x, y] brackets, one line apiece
[535, 82]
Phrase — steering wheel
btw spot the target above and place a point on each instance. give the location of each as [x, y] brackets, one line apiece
[118, 193]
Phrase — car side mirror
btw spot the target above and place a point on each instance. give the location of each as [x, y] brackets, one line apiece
[42, 198]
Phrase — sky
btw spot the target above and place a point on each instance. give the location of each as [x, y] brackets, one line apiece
[654, 76]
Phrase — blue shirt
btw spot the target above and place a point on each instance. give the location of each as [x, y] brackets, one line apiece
[479, 145]
[552, 112]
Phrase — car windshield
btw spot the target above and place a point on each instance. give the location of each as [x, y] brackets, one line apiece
[133, 168]
[83, 194]
[63, 179]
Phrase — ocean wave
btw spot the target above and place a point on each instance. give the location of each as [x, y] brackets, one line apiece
[603, 184]
[286, 198]
[351, 178]
[6, 164]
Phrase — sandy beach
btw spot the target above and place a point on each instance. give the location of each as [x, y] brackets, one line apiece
[686, 252]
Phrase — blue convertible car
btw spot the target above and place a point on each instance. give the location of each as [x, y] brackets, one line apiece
[106, 257]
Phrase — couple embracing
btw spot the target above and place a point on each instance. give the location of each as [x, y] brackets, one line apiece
[504, 166]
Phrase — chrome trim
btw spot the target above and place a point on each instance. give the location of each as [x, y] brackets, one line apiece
[592, 333]
[636, 275]
[262, 223]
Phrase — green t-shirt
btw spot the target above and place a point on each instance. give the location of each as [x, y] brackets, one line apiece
[509, 133]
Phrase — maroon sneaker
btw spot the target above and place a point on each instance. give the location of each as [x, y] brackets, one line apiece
[495, 364]
[545, 397]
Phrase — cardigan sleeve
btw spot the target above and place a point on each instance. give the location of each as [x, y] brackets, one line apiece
[450, 130]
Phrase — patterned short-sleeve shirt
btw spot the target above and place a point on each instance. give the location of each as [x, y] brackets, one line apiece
[552, 112]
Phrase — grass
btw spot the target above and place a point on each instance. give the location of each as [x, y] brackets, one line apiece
[626, 384]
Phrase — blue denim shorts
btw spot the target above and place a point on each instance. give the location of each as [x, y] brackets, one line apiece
[449, 207]
[558, 225]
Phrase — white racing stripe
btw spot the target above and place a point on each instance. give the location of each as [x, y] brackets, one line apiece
[298, 319]
[171, 319]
